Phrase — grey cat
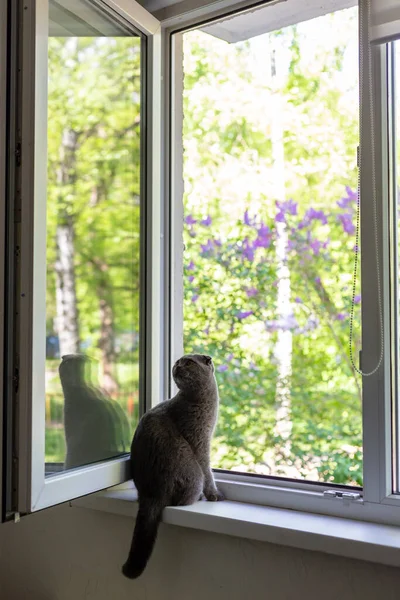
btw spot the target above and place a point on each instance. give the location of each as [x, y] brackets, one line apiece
[170, 454]
[96, 427]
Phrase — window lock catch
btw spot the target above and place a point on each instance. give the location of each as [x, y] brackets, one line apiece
[345, 496]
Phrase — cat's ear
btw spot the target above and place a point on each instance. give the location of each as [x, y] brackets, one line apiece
[208, 360]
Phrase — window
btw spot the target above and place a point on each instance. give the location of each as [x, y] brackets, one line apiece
[265, 132]
[191, 185]
[93, 242]
[270, 133]
[81, 334]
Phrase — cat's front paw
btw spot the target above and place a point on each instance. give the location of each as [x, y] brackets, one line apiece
[214, 496]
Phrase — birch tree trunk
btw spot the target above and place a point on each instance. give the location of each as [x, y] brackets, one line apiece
[283, 348]
[66, 301]
[107, 337]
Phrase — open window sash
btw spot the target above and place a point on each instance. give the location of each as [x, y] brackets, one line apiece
[35, 490]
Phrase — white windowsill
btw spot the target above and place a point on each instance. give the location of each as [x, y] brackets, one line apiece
[332, 535]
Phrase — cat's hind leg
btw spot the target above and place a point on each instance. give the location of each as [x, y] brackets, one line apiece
[189, 489]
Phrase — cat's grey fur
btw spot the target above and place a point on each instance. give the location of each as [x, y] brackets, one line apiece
[170, 454]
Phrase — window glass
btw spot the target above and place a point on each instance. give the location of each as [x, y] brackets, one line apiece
[270, 138]
[93, 236]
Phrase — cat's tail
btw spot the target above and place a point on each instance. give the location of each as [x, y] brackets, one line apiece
[144, 537]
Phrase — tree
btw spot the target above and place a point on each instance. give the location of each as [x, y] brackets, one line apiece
[93, 207]
[232, 220]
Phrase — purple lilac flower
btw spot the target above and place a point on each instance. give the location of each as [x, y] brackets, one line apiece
[317, 215]
[222, 368]
[343, 202]
[298, 300]
[189, 220]
[190, 266]
[243, 314]
[355, 248]
[287, 323]
[252, 291]
[340, 317]
[247, 220]
[288, 206]
[229, 357]
[191, 278]
[217, 242]
[248, 250]
[207, 247]
[195, 297]
[318, 280]
[263, 237]
[346, 200]
[280, 217]
[315, 246]
[357, 299]
[207, 221]
[352, 196]
[206, 330]
[312, 323]
[347, 223]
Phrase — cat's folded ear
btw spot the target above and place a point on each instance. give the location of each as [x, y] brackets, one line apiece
[208, 360]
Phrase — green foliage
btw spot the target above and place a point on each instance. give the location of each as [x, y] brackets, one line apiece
[233, 223]
[232, 271]
[94, 186]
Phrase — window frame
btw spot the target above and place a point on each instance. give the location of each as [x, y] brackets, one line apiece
[34, 490]
[162, 273]
[4, 9]
[376, 502]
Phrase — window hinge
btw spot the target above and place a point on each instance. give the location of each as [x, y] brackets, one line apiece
[16, 379]
[347, 496]
[18, 154]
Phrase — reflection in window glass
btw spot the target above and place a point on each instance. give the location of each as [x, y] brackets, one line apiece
[270, 138]
[93, 235]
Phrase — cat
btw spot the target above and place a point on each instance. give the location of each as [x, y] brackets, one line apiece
[96, 428]
[170, 454]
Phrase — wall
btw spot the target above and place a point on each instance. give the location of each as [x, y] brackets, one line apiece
[70, 553]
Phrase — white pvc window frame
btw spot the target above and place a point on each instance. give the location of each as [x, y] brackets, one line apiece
[35, 491]
[164, 276]
[377, 502]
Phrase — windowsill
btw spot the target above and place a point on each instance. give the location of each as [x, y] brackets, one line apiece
[333, 535]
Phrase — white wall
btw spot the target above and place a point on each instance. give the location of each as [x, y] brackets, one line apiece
[75, 554]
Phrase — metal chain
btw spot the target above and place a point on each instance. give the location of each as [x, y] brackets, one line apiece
[374, 200]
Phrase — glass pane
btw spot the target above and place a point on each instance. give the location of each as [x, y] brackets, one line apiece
[93, 236]
[270, 139]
